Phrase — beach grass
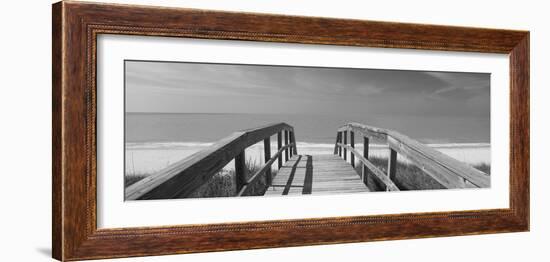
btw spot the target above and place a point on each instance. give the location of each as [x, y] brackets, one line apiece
[221, 184]
[131, 179]
[483, 167]
[409, 176]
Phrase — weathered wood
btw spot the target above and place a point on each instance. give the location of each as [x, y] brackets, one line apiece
[316, 174]
[352, 144]
[433, 159]
[366, 156]
[264, 169]
[365, 130]
[340, 148]
[76, 27]
[267, 158]
[308, 180]
[294, 144]
[291, 176]
[185, 176]
[442, 168]
[380, 176]
[240, 170]
[286, 143]
[441, 173]
[392, 164]
[345, 142]
[336, 147]
[279, 146]
[168, 182]
[340, 141]
[290, 142]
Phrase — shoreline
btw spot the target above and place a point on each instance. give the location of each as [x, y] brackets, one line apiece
[150, 157]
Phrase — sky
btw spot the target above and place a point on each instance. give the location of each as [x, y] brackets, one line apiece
[400, 96]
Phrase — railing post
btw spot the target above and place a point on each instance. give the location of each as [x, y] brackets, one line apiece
[240, 171]
[290, 141]
[366, 156]
[294, 147]
[345, 143]
[339, 147]
[267, 157]
[286, 143]
[392, 164]
[336, 144]
[279, 145]
[352, 143]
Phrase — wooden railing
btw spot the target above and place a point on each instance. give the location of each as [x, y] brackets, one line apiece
[447, 171]
[182, 178]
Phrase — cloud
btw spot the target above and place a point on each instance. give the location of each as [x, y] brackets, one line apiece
[284, 89]
[460, 85]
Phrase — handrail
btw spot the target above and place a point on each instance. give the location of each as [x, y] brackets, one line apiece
[390, 186]
[262, 170]
[448, 171]
[182, 178]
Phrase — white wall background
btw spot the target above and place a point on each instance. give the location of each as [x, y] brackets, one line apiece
[25, 147]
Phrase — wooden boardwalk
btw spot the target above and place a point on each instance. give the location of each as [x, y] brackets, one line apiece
[316, 174]
[309, 174]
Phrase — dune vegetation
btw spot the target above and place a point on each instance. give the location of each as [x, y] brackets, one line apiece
[221, 184]
[409, 176]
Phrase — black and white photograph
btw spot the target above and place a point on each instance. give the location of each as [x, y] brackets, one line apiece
[275, 131]
[203, 130]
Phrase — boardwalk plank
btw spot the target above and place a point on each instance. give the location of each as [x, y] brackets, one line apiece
[316, 174]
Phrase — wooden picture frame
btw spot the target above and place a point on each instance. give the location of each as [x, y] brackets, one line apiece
[76, 26]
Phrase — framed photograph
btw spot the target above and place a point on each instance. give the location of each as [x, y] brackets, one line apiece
[181, 130]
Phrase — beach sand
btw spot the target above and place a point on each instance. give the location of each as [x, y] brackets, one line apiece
[147, 158]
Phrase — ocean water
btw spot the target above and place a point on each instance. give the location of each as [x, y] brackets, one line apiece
[201, 128]
[157, 140]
